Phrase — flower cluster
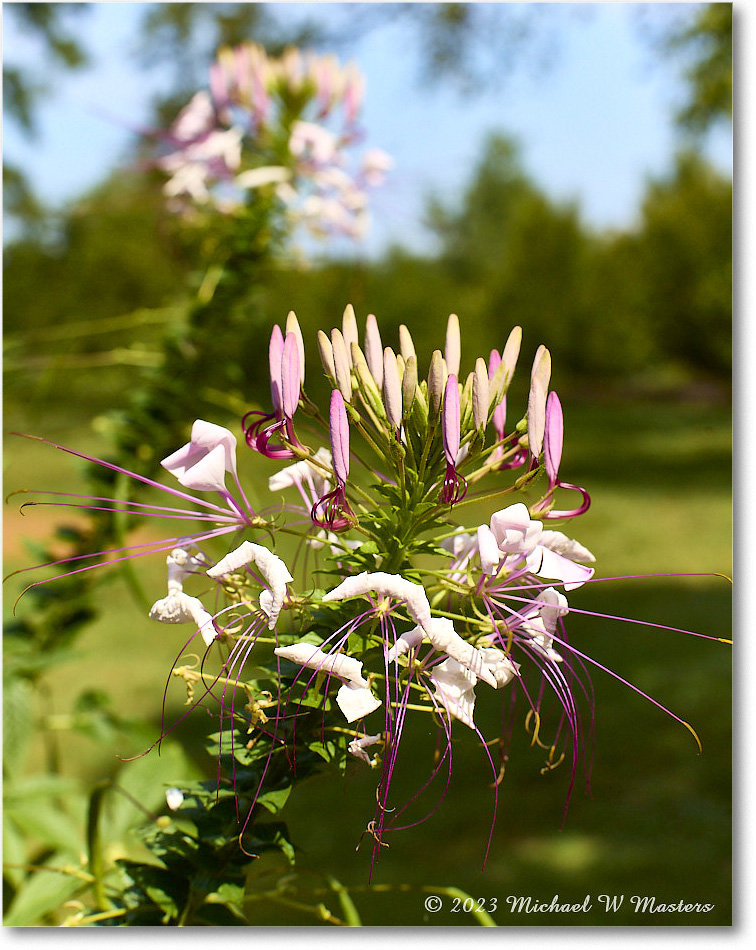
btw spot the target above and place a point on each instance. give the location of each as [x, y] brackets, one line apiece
[423, 612]
[288, 124]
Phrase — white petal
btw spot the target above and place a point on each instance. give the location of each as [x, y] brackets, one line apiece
[387, 585]
[567, 547]
[179, 607]
[356, 701]
[490, 555]
[454, 690]
[357, 747]
[556, 567]
[446, 640]
[338, 664]
[264, 175]
[503, 669]
[274, 572]
[404, 643]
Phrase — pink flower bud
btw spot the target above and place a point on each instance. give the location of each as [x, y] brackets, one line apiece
[453, 349]
[339, 437]
[451, 416]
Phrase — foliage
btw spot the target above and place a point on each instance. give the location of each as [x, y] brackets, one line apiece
[705, 47]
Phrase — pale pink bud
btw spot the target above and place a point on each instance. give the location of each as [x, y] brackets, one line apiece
[392, 391]
[342, 364]
[553, 438]
[290, 377]
[480, 394]
[453, 349]
[542, 368]
[406, 346]
[339, 437]
[374, 349]
[292, 326]
[349, 330]
[275, 355]
[536, 416]
[451, 420]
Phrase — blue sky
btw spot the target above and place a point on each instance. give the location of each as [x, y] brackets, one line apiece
[593, 125]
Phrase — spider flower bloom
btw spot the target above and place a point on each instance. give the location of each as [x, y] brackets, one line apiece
[273, 570]
[514, 541]
[332, 511]
[202, 463]
[455, 486]
[553, 439]
[355, 698]
[179, 607]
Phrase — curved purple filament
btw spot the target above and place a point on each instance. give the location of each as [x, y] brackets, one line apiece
[455, 486]
[336, 513]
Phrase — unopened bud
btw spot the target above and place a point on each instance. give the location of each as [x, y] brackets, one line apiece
[542, 368]
[453, 348]
[326, 355]
[368, 388]
[503, 367]
[392, 391]
[409, 385]
[292, 326]
[349, 329]
[480, 394]
[466, 402]
[436, 383]
[406, 346]
[374, 349]
[342, 365]
[536, 417]
[510, 353]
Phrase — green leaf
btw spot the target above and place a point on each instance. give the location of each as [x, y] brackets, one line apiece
[274, 800]
[18, 705]
[166, 890]
[44, 892]
[230, 896]
[46, 824]
[144, 781]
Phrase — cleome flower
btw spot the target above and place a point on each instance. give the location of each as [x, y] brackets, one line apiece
[278, 126]
[413, 609]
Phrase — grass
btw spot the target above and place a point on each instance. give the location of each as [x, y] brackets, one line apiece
[657, 819]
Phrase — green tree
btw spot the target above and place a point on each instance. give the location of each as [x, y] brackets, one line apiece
[685, 257]
[704, 45]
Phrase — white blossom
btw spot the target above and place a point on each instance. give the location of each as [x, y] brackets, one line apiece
[455, 690]
[179, 607]
[274, 572]
[387, 585]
